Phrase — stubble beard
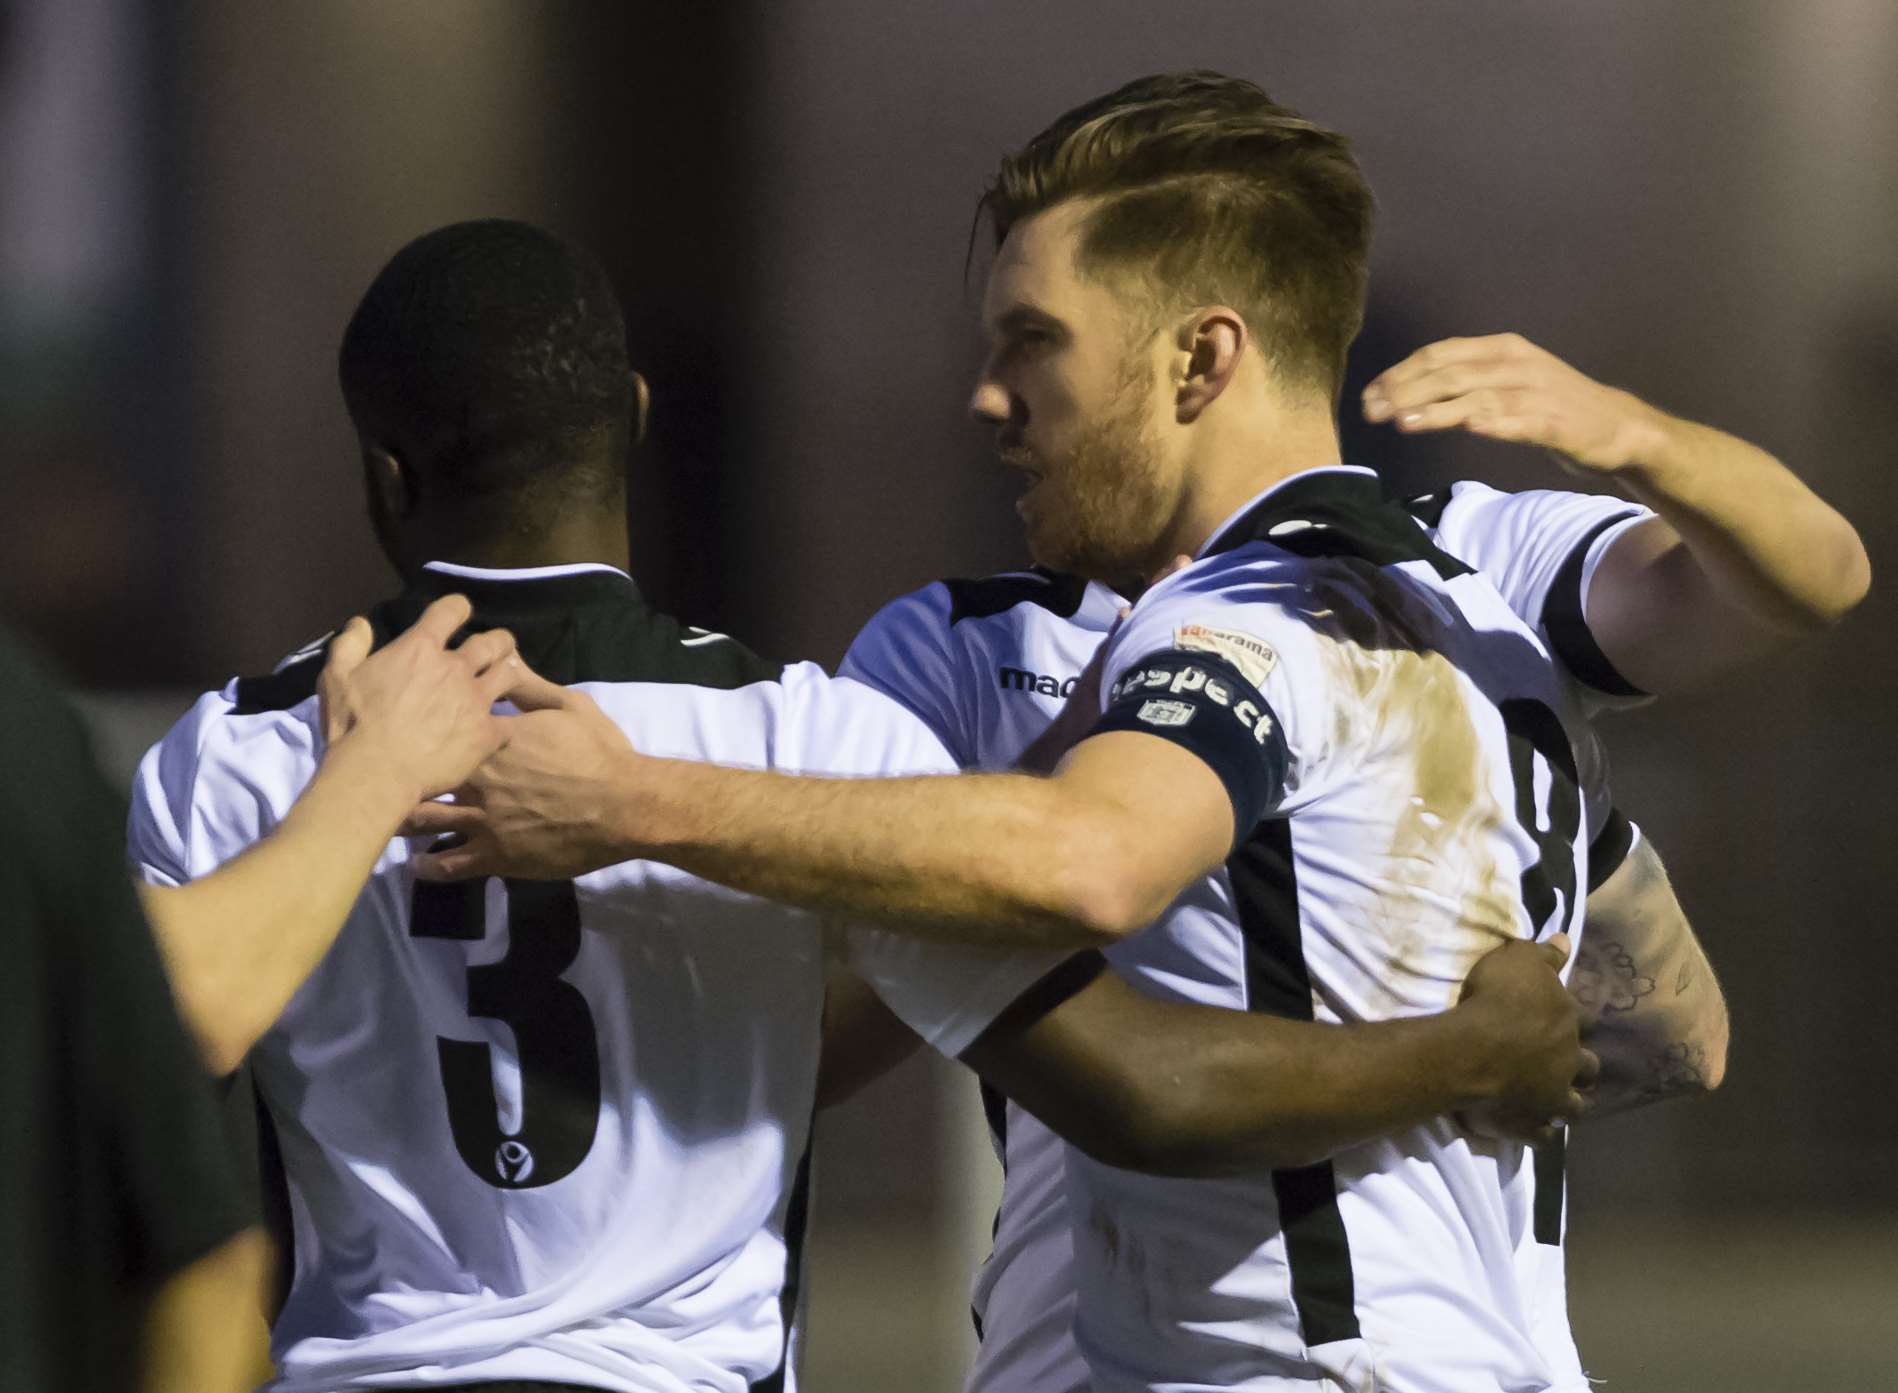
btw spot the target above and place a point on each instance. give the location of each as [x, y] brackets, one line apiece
[1108, 505]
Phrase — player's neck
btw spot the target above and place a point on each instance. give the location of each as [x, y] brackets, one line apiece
[578, 538]
[1236, 467]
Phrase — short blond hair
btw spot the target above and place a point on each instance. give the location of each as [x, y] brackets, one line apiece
[1211, 192]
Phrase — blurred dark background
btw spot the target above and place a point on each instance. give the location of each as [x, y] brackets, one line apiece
[1692, 201]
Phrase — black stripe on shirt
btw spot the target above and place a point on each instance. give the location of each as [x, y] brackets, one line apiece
[797, 1214]
[1338, 515]
[1317, 1247]
[1060, 595]
[581, 626]
[1567, 626]
[995, 1113]
[1609, 849]
[1551, 1165]
[1428, 508]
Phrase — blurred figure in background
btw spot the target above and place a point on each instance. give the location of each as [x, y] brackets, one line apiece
[129, 1251]
[133, 1262]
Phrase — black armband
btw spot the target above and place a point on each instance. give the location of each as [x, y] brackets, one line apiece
[1204, 704]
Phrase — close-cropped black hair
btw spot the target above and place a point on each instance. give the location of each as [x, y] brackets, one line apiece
[491, 356]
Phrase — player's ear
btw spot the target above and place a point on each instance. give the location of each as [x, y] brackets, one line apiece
[642, 407]
[390, 485]
[1210, 343]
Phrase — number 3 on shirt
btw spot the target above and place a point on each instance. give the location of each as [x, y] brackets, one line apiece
[1548, 885]
[553, 1032]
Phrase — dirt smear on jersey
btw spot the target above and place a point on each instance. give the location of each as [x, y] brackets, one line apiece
[1444, 898]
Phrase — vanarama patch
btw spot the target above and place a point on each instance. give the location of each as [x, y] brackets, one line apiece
[1254, 657]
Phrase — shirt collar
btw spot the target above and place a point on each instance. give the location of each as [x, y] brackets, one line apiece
[1246, 509]
[451, 568]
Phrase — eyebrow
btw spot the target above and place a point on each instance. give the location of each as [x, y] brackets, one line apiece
[1021, 316]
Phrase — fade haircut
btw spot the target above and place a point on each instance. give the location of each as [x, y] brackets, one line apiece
[1210, 193]
[491, 357]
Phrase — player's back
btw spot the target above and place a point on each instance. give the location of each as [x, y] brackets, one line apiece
[542, 1130]
[1406, 736]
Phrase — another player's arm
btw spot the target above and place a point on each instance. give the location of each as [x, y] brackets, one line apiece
[202, 1332]
[1176, 1089]
[1076, 860]
[1652, 1007]
[863, 1039]
[239, 941]
[1741, 554]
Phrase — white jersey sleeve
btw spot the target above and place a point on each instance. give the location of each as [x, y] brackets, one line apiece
[1540, 549]
[172, 834]
[905, 652]
[947, 994]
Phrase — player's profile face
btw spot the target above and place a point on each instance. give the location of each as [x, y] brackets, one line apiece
[1072, 388]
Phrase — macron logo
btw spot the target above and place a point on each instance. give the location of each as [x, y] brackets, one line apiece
[1017, 679]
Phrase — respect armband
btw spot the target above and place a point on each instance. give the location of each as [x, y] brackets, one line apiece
[1205, 705]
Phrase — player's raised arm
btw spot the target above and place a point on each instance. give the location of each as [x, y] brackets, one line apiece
[1740, 553]
[409, 721]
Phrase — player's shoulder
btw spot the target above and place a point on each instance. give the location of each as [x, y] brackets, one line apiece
[852, 725]
[1454, 503]
[249, 731]
[958, 605]
[219, 778]
[1034, 589]
[1470, 514]
[232, 725]
[673, 651]
[957, 629]
[1317, 518]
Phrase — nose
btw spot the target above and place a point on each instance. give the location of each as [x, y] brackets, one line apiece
[989, 402]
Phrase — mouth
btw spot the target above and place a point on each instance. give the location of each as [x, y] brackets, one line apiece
[1025, 499]
[1021, 458]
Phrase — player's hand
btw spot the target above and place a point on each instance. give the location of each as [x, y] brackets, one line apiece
[1504, 387]
[416, 710]
[534, 810]
[1527, 1041]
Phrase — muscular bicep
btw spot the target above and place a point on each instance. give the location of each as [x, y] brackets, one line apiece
[1660, 621]
[1166, 815]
